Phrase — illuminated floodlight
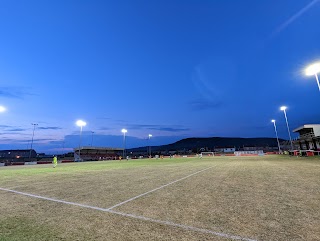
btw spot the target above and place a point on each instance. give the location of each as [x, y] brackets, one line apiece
[124, 131]
[150, 135]
[273, 121]
[81, 123]
[283, 108]
[2, 108]
[313, 69]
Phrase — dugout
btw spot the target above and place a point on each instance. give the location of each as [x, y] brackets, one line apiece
[17, 156]
[89, 153]
[26, 153]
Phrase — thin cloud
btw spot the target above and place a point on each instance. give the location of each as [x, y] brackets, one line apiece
[57, 142]
[26, 141]
[157, 127]
[9, 129]
[49, 128]
[202, 104]
[4, 126]
[294, 18]
[13, 133]
[105, 128]
[36, 140]
[14, 92]
[142, 126]
[170, 129]
[17, 129]
[120, 121]
[104, 118]
[9, 94]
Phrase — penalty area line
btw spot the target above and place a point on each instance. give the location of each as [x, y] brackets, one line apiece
[156, 189]
[168, 223]
[186, 227]
[53, 199]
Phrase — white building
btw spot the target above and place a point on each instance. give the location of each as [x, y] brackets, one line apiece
[225, 149]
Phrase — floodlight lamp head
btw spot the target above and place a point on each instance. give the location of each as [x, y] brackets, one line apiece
[313, 69]
[273, 121]
[2, 109]
[283, 108]
[81, 123]
[124, 131]
[150, 135]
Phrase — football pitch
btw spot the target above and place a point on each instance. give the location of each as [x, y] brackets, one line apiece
[214, 198]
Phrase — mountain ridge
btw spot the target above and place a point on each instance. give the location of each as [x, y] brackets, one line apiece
[214, 142]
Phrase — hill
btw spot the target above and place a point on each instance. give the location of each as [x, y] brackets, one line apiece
[212, 142]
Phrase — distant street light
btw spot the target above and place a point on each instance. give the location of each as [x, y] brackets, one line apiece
[34, 127]
[124, 131]
[63, 148]
[275, 129]
[149, 145]
[314, 69]
[283, 108]
[81, 124]
[92, 137]
[2, 108]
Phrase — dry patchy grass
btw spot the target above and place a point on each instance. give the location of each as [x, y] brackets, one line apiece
[264, 198]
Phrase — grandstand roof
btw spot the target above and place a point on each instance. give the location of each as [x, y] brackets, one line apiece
[17, 150]
[306, 127]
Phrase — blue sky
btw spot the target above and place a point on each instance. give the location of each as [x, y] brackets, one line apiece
[173, 69]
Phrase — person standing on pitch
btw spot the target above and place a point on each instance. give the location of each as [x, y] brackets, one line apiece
[55, 161]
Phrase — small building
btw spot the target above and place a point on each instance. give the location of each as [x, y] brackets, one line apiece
[309, 137]
[227, 149]
[251, 148]
[89, 153]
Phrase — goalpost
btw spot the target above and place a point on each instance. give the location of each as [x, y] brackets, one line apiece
[206, 154]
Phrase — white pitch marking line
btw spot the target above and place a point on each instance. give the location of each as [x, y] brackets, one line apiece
[234, 237]
[143, 194]
[53, 199]
[201, 230]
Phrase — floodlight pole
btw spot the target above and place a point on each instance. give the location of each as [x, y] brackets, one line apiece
[34, 127]
[124, 131]
[124, 143]
[275, 129]
[314, 69]
[316, 75]
[81, 124]
[92, 137]
[285, 115]
[63, 150]
[80, 142]
[149, 145]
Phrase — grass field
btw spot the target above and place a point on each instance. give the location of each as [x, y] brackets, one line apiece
[217, 198]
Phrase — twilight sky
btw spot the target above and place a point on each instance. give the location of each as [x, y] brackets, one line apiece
[170, 68]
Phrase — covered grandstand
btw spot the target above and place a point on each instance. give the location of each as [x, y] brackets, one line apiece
[89, 153]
